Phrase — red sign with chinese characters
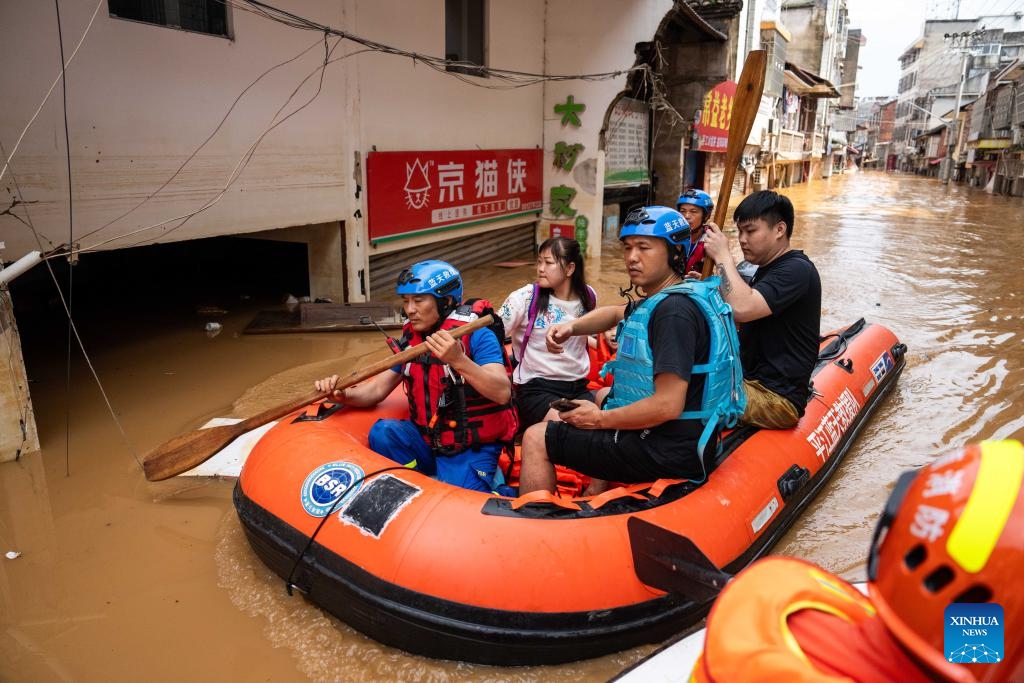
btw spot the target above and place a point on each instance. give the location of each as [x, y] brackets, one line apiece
[563, 230]
[411, 192]
[713, 127]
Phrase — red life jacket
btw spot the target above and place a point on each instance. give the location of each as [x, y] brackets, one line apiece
[696, 260]
[450, 414]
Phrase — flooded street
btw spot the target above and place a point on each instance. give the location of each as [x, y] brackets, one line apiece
[122, 578]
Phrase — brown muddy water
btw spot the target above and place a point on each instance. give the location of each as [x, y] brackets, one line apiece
[124, 579]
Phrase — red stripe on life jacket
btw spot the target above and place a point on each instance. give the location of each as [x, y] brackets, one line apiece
[450, 414]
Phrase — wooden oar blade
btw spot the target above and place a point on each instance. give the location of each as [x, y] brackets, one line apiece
[184, 452]
[670, 562]
[745, 105]
[744, 111]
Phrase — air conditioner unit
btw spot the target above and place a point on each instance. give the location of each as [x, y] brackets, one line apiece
[1018, 136]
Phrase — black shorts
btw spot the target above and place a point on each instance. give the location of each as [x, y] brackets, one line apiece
[626, 456]
[533, 399]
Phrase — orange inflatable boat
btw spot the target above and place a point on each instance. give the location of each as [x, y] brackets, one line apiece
[457, 574]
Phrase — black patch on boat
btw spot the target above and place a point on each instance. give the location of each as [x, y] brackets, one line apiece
[378, 503]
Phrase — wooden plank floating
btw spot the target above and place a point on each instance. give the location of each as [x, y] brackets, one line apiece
[325, 317]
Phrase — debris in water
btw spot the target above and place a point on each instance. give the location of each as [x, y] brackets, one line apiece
[13, 555]
[213, 329]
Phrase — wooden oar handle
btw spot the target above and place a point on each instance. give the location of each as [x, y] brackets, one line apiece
[357, 376]
[408, 354]
[745, 106]
[186, 451]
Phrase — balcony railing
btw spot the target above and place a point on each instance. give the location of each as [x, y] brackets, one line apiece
[815, 144]
[793, 144]
[789, 144]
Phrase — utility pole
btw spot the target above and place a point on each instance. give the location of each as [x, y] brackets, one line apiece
[962, 42]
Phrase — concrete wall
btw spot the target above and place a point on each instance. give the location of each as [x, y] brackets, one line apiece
[141, 98]
[805, 22]
[18, 434]
[686, 89]
[397, 104]
[601, 39]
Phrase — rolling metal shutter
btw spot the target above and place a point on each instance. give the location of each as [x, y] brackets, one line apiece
[462, 252]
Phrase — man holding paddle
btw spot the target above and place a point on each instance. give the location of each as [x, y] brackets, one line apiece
[459, 392]
[779, 311]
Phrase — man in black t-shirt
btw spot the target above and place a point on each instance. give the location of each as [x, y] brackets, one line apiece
[779, 311]
[638, 435]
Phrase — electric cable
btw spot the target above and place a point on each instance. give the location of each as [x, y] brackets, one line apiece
[63, 67]
[71, 241]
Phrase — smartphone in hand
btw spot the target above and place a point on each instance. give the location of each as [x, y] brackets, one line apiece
[564, 405]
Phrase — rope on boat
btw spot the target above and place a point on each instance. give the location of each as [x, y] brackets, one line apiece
[288, 585]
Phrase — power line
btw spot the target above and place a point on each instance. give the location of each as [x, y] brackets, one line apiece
[203, 144]
[60, 75]
[509, 77]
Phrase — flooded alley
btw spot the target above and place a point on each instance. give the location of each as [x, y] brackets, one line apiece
[122, 578]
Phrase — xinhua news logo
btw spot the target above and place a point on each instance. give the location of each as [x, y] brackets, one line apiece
[974, 633]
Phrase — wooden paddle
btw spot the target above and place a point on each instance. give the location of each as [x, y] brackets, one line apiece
[744, 109]
[184, 452]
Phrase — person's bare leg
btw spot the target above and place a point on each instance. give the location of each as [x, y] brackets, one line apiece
[537, 473]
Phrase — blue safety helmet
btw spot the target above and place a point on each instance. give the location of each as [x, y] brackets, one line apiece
[437, 278]
[697, 198]
[657, 221]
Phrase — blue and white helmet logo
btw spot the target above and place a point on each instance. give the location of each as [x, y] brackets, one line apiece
[329, 482]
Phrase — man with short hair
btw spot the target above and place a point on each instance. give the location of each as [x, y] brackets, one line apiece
[460, 410]
[779, 311]
[644, 429]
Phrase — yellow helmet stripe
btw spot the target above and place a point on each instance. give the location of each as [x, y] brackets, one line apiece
[995, 492]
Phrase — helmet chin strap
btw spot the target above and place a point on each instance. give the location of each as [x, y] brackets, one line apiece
[444, 309]
[677, 260]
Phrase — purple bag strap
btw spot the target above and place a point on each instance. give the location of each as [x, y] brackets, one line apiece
[531, 321]
[533, 315]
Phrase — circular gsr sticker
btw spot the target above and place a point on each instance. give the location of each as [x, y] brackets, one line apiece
[327, 483]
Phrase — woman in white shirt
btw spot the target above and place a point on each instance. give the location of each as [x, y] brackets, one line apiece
[560, 294]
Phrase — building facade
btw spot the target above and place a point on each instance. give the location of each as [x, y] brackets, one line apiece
[370, 133]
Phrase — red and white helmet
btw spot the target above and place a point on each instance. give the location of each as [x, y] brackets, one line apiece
[953, 532]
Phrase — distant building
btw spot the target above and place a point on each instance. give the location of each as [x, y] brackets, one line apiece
[930, 75]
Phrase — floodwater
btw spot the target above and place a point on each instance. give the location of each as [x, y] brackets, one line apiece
[121, 578]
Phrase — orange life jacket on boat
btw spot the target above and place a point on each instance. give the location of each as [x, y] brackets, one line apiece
[786, 620]
[598, 357]
[450, 414]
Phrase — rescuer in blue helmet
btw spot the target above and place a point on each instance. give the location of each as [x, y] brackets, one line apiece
[696, 207]
[650, 425]
[460, 410]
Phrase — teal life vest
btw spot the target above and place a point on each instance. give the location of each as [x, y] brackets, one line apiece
[724, 398]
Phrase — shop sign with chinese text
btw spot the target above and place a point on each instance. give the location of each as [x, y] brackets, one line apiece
[625, 161]
[715, 116]
[414, 192]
